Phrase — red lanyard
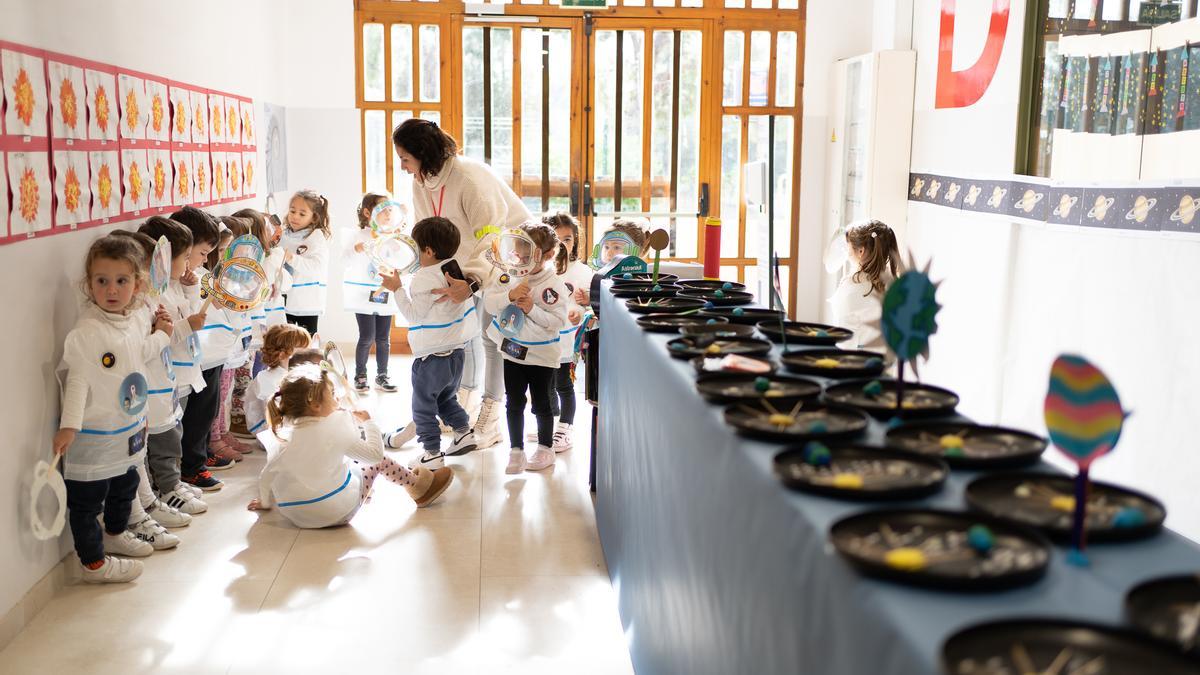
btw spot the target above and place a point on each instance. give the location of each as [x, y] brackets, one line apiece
[437, 210]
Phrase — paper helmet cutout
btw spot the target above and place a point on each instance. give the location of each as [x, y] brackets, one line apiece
[335, 364]
[388, 217]
[132, 394]
[45, 476]
[511, 321]
[396, 252]
[515, 253]
[1082, 409]
[613, 246]
[238, 284]
[160, 267]
[909, 314]
[245, 246]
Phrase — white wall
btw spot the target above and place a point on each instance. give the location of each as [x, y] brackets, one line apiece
[298, 53]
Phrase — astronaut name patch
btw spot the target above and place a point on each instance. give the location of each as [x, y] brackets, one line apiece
[549, 296]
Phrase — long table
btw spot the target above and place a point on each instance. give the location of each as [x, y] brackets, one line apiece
[720, 569]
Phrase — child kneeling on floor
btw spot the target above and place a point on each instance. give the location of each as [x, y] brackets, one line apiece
[326, 471]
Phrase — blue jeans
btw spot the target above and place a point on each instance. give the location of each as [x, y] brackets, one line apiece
[86, 500]
[372, 329]
[435, 381]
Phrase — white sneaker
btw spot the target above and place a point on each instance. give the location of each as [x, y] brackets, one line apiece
[182, 499]
[126, 544]
[516, 461]
[168, 516]
[154, 534]
[563, 438]
[428, 460]
[487, 426]
[195, 491]
[113, 571]
[543, 458]
[400, 437]
[462, 445]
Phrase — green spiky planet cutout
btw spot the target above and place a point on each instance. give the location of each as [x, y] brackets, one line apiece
[909, 314]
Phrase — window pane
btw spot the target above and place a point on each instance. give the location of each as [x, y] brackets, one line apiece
[731, 177]
[760, 4]
[560, 115]
[432, 115]
[751, 281]
[785, 68]
[1084, 10]
[375, 138]
[760, 64]
[688, 194]
[730, 274]
[734, 46]
[402, 62]
[631, 115]
[472, 78]
[502, 65]
[606, 88]
[531, 112]
[1112, 9]
[401, 181]
[1058, 9]
[784, 151]
[789, 4]
[661, 118]
[735, 3]
[431, 63]
[373, 61]
[756, 218]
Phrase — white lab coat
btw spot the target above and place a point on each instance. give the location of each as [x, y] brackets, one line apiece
[578, 275]
[258, 393]
[540, 336]
[309, 270]
[360, 279]
[435, 326]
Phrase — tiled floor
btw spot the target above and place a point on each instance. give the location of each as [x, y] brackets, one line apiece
[503, 575]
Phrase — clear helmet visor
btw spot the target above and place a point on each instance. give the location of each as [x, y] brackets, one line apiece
[614, 246]
[388, 217]
[397, 253]
[515, 252]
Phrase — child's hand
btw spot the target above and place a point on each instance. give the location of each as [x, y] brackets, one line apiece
[574, 315]
[519, 291]
[163, 323]
[391, 281]
[196, 321]
[456, 290]
[525, 303]
[188, 278]
[361, 415]
[63, 439]
[255, 505]
[582, 297]
[359, 248]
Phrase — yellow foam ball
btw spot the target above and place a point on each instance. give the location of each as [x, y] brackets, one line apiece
[713, 349]
[848, 481]
[1063, 503]
[951, 441]
[781, 420]
[905, 559]
[827, 363]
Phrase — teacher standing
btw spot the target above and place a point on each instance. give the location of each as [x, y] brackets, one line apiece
[480, 204]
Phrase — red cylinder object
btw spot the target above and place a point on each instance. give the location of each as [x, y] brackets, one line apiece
[712, 248]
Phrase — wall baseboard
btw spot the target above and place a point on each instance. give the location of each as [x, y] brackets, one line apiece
[35, 600]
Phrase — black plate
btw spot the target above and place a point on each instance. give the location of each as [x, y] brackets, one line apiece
[849, 363]
[645, 290]
[751, 419]
[704, 345]
[860, 473]
[1168, 608]
[1035, 645]
[725, 299]
[705, 365]
[1046, 501]
[746, 315]
[982, 447]
[711, 285]
[920, 400]
[720, 328]
[639, 277]
[801, 333]
[868, 540]
[663, 305]
[669, 323]
[744, 388]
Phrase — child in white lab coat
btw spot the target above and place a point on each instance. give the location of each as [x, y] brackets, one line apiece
[871, 262]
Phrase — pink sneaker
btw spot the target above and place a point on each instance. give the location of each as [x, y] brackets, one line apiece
[237, 445]
[224, 451]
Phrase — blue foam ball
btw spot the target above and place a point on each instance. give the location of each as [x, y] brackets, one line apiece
[1130, 516]
[980, 538]
[761, 384]
[738, 311]
[627, 275]
[710, 322]
[708, 305]
[821, 333]
[678, 346]
[656, 288]
[873, 388]
[816, 454]
[894, 422]
[727, 286]
[817, 428]
[719, 294]
[874, 362]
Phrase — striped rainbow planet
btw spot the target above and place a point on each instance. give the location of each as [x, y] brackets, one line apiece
[1083, 412]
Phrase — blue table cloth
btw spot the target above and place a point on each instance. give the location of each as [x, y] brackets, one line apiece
[720, 569]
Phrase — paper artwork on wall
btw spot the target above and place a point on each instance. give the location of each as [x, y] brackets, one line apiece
[233, 165]
[201, 183]
[30, 187]
[249, 160]
[275, 148]
[159, 163]
[1103, 99]
[219, 176]
[182, 183]
[136, 181]
[67, 101]
[158, 123]
[181, 115]
[216, 118]
[248, 124]
[233, 121]
[3, 196]
[133, 106]
[101, 105]
[1131, 104]
[24, 94]
[105, 183]
[199, 118]
[72, 189]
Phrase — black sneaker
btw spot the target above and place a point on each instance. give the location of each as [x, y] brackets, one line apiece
[360, 383]
[382, 384]
[214, 463]
[204, 480]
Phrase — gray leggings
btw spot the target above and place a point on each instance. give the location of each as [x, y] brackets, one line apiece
[163, 454]
[483, 350]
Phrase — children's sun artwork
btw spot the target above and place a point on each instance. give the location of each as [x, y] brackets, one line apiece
[25, 89]
[133, 113]
[248, 172]
[218, 175]
[199, 125]
[1084, 417]
[909, 319]
[183, 182]
[67, 98]
[233, 121]
[133, 163]
[216, 122]
[29, 183]
[103, 170]
[159, 124]
[100, 91]
[235, 176]
[71, 189]
[160, 181]
[247, 122]
[181, 106]
[200, 169]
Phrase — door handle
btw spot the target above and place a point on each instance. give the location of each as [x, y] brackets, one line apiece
[587, 199]
[575, 198]
[703, 210]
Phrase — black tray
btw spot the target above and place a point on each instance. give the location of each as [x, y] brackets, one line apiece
[745, 387]
[704, 345]
[850, 363]
[835, 422]
[746, 315]
[1034, 645]
[720, 328]
[860, 473]
[982, 447]
[705, 365]
[725, 299]
[668, 323]
[640, 277]
[711, 285]
[922, 400]
[663, 305]
[644, 290]
[801, 333]
[1046, 501]
[1019, 555]
[1168, 608]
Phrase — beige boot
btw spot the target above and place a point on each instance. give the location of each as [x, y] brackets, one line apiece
[429, 485]
[464, 400]
[487, 427]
